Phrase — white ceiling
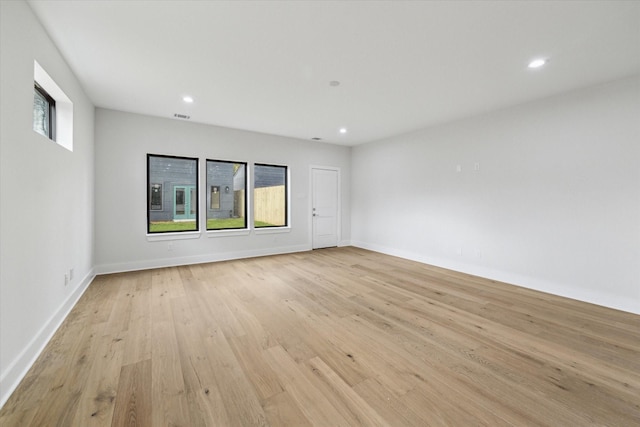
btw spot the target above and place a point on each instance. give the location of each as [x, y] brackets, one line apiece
[266, 65]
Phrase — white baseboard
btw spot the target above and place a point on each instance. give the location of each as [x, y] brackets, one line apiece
[198, 259]
[11, 376]
[563, 290]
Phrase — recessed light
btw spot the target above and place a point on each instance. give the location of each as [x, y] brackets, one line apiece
[343, 130]
[537, 63]
[187, 99]
[315, 138]
[334, 83]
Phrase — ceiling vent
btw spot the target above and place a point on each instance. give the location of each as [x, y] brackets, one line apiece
[181, 116]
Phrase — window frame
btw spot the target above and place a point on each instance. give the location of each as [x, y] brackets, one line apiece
[51, 134]
[164, 185]
[286, 224]
[221, 188]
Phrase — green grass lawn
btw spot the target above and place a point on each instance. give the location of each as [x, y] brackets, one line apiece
[212, 224]
[164, 226]
[217, 224]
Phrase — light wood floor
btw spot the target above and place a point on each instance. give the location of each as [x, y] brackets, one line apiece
[336, 337]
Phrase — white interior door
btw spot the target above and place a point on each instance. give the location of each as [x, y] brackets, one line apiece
[324, 207]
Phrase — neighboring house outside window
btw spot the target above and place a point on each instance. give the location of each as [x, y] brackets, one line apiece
[226, 195]
[172, 194]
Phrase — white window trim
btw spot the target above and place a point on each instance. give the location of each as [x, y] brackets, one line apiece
[272, 230]
[228, 232]
[183, 235]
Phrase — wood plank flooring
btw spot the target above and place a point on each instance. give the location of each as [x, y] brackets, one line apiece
[335, 337]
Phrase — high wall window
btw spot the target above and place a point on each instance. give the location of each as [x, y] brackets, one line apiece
[270, 196]
[52, 109]
[44, 112]
[226, 195]
[172, 194]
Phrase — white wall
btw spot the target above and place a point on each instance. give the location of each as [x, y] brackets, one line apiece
[46, 199]
[555, 205]
[122, 143]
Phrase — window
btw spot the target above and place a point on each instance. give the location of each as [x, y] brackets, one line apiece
[227, 195]
[215, 197]
[270, 196]
[155, 202]
[52, 109]
[172, 185]
[44, 112]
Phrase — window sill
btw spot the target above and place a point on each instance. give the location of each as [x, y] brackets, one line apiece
[227, 233]
[272, 230]
[159, 237]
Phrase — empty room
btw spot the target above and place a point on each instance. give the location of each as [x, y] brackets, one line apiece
[319, 213]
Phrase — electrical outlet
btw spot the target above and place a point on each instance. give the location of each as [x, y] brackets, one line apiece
[458, 168]
[476, 166]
